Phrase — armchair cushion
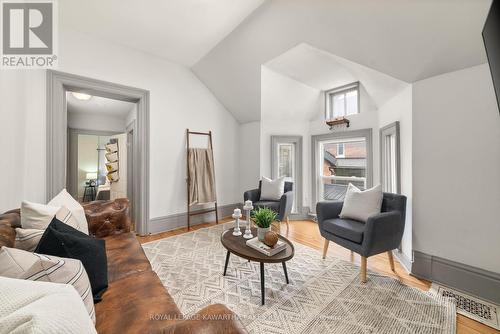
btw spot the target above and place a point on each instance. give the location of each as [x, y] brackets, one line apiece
[345, 228]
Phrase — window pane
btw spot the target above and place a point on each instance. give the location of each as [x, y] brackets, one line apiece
[285, 160]
[337, 170]
[352, 102]
[286, 166]
[340, 150]
[338, 105]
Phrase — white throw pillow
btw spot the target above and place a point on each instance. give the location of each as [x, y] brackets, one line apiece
[359, 205]
[16, 263]
[40, 307]
[37, 216]
[65, 199]
[272, 190]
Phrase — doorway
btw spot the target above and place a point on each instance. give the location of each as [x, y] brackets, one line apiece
[58, 84]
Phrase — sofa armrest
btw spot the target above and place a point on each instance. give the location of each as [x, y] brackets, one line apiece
[213, 319]
[108, 217]
[286, 203]
[253, 195]
[383, 232]
[328, 210]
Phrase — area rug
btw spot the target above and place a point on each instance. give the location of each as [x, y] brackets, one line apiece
[324, 296]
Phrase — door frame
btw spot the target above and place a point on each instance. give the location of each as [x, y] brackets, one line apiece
[297, 140]
[316, 139]
[58, 83]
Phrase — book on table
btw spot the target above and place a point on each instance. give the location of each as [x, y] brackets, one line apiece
[265, 249]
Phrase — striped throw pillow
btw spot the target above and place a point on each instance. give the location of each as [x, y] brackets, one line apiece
[16, 263]
[27, 238]
[67, 217]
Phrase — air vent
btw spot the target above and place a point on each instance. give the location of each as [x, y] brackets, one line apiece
[471, 307]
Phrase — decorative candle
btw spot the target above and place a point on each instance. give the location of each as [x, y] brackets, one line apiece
[248, 207]
[237, 216]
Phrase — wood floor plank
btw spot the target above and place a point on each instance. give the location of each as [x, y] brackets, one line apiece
[306, 232]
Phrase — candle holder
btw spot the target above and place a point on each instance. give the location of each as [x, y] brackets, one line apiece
[237, 216]
[248, 207]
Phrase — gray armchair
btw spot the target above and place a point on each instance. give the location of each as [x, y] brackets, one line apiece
[283, 207]
[381, 233]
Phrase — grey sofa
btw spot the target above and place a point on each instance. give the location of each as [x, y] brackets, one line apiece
[283, 207]
[381, 233]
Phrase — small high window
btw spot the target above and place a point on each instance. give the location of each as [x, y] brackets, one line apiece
[342, 101]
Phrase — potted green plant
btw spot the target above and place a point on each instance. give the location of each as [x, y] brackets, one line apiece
[263, 218]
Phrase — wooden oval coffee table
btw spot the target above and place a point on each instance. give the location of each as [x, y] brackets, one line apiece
[237, 246]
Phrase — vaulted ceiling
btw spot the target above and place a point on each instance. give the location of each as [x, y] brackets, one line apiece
[322, 71]
[179, 30]
[225, 42]
[406, 39]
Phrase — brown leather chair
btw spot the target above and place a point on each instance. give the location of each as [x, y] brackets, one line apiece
[136, 301]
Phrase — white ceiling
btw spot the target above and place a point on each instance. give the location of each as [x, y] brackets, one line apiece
[406, 39]
[99, 106]
[182, 31]
[322, 70]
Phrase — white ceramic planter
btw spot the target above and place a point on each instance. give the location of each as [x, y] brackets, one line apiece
[261, 232]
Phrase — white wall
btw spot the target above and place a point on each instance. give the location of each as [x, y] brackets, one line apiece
[249, 157]
[399, 108]
[286, 108]
[178, 100]
[22, 139]
[95, 122]
[456, 164]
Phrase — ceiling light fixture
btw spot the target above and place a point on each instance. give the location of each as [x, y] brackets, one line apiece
[81, 96]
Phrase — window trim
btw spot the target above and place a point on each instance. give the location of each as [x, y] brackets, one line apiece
[341, 90]
[315, 140]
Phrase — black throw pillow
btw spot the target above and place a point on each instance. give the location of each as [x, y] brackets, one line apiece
[62, 240]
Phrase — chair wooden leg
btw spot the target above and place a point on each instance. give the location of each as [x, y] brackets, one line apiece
[363, 269]
[391, 259]
[287, 226]
[325, 248]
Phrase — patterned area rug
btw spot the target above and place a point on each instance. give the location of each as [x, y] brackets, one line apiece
[324, 296]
